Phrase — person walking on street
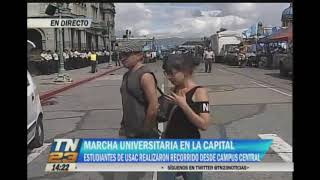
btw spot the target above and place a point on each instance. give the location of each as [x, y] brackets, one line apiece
[117, 57]
[208, 56]
[138, 85]
[93, 58]
[191, 112]
[139, 102]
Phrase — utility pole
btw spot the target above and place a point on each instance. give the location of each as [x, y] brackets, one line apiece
[109, 37]
[62, 76]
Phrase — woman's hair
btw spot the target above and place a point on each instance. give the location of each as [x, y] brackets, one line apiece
[179, 62]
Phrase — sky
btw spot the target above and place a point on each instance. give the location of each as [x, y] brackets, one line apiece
[188, 20]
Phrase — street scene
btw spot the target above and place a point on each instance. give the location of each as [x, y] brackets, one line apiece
[75, 75]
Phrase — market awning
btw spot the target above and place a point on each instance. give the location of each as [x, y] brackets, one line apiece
[282, 35]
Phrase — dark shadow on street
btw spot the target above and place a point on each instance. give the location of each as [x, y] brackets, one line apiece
[48, 83]
[199, 72]
[49, 102]
[277, 75]
[107, 175]
[29, 150]
[232, 66]
[50, 78]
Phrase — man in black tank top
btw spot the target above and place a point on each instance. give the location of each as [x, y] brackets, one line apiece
[139, 103]
[139, 98]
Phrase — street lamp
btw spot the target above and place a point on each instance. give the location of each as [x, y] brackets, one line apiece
[62, 76]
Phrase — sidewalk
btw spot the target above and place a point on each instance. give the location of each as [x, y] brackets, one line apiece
[47, 87]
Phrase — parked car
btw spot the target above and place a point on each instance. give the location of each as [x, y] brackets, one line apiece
[35, 134]
[35, 115]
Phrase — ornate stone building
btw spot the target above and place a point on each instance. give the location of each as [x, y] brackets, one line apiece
[287, 16]
[95, 37]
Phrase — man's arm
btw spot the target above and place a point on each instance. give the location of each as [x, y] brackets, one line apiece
[149, 88]
[121, 130]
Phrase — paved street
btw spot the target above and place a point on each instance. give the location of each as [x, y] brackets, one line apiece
[245, 103]
[46, 83]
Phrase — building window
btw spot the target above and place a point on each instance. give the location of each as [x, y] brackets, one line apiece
[103, 16]
[56, 38]
[284, 24]
[94, 13]
[72, 39]
[63, 43]
[97, 43]
[79, 40]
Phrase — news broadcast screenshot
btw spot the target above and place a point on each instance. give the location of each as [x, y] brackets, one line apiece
[159, 91]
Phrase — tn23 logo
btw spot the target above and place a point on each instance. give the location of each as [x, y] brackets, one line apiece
[68, 154]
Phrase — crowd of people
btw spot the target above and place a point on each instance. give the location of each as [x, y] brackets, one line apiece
[48, 62]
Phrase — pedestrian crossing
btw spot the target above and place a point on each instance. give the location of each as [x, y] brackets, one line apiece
[34, 153]
[282, 148]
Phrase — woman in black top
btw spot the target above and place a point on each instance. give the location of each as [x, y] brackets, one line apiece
[192, 112]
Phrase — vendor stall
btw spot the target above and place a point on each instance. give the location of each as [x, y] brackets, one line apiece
[277, 44]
